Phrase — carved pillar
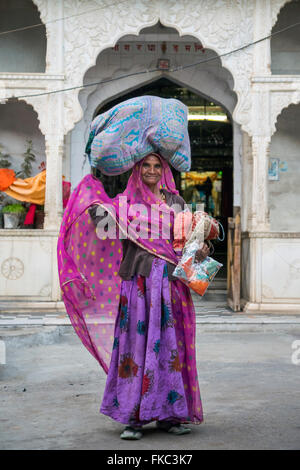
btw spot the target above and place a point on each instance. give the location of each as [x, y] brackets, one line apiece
[260, 209]
[54, 139]
[53, 199]
[262, 28]
[51, 10]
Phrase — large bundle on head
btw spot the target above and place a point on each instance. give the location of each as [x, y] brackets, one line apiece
[134, 128]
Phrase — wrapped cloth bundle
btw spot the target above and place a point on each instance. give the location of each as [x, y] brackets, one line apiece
[129, 131]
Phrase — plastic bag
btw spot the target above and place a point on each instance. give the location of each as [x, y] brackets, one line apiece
[197, 276]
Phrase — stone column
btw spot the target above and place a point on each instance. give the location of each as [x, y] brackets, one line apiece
[54, 139]
[51, 10]
[237, 165]
[262, 28]
[260, 210]
[53, 199]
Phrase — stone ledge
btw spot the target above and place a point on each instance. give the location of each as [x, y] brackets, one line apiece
[6, 232]
[271, 308]
[248, 234]
[275, 78]
[27, 307]
[28, 321]
[30, 76]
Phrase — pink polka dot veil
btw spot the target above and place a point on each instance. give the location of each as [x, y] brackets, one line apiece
[88, 266]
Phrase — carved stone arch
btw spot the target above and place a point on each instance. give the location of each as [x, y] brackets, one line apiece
[140, 82]
[20, 122]
[285, 47]
[220, 79]
[37, 103]
[171, 78]
[283, 197]
[277, 6]
[42, 6]
[207, 24]
[27, 102]
[102, 96]
[279, 102]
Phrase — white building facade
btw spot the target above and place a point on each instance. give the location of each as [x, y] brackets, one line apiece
[95, 42]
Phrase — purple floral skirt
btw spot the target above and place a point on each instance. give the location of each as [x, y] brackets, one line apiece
[152, 374]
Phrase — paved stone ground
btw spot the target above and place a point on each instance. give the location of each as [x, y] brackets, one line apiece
[51, 390]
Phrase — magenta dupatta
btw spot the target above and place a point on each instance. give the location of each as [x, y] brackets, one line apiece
[88, 266]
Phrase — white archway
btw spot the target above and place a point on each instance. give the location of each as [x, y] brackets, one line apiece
[212, 81]
[216, 30]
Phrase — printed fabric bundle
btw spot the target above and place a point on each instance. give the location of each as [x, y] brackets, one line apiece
[129, 131]
[197, 276]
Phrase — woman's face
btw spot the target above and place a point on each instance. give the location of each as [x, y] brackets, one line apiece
[151, 170]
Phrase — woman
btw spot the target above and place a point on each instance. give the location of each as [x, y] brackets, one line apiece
[152, 372]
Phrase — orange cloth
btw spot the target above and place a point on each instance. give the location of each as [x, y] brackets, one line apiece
[29, 190]
[7, 177]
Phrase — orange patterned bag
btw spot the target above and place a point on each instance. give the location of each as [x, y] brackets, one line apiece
[197, 276]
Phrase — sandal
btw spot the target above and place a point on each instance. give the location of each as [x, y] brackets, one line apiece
[173, 428]
[131, 434]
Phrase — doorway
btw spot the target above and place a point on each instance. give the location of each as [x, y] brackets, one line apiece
[210, 180]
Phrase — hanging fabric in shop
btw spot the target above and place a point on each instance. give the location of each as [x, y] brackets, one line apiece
[7, 177]
[200, 178]
[29, 190]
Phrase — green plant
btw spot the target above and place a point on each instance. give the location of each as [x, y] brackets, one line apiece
[4, 159]
[29, 157]
[13, 209]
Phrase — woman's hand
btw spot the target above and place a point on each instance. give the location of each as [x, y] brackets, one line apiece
[202, 253]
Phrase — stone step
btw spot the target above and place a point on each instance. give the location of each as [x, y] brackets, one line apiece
[218, 295]
[215, 295]
[218, 284]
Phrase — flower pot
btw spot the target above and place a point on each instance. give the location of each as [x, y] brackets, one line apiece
[12, 220]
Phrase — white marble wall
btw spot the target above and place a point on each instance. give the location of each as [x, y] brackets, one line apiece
[280, 270]
[28, 267]
[274, 281]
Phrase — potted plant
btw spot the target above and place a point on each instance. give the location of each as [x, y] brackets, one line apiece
[4, 159]
[13, 215]
[29, 158]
